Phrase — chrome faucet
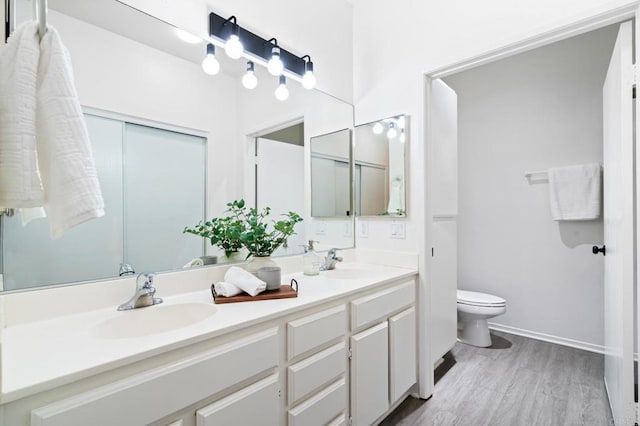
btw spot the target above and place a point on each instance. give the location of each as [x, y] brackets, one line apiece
[143, 295]
[330, 260]
[126, 269]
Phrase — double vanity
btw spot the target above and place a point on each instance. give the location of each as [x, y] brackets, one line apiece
[344, 349]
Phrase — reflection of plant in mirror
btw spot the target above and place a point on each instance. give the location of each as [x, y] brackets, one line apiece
[223, 232]
[255, 236]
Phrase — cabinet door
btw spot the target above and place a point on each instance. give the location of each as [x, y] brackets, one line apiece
[402, 353]
[370, 374]
[257, 404]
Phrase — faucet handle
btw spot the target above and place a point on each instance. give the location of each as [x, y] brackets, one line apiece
[145, 280]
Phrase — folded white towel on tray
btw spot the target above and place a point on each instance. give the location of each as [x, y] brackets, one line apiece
[226, 289]
[245, 281]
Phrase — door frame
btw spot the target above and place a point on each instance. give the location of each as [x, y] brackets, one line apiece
[562, 32]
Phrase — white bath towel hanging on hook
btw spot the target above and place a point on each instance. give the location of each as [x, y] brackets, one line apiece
[45, 155]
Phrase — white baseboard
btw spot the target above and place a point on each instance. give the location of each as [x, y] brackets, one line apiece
[549, 338]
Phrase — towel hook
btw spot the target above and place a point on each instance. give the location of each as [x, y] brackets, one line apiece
[41, 13]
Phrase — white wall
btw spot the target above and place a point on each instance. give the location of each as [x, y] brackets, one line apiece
[321, 29]
[532, 111]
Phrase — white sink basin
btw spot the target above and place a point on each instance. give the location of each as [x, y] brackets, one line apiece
[153, 320]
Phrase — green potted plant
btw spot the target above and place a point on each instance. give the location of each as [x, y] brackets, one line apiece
[247, 227]
[256, 236]
[223, 232]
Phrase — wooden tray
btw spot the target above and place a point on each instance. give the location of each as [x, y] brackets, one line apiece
[284, 292]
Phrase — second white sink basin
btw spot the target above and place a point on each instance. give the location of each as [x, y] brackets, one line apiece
[153, 320]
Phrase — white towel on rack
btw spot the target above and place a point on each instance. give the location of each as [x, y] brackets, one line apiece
[69, 177]
[20, 185]
[574, 192]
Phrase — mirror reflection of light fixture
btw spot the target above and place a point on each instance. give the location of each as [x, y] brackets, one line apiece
[392, 132]
[249, 80]
[282, 93]
[308, 79]
[210, 64]
[239, 42]
[233, 47]
[400, 122]
[378, 128]
[275, 65]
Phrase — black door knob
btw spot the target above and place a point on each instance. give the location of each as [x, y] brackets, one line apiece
[596, 250]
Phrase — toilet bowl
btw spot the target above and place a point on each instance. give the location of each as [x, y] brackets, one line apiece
[473, 311]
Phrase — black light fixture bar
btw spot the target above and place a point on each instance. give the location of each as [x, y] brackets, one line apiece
[221, 29]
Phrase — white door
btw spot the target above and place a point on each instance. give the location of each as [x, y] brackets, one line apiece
[280, 185]
[618, 165]
[443, 166]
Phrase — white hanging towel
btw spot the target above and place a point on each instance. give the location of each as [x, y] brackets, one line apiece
[45, 156]
[69, 177]
[574, 192]
[20, 185]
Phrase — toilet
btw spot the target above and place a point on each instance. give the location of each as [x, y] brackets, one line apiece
[473, 311]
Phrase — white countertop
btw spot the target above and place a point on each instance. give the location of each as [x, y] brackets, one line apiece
[41, 355]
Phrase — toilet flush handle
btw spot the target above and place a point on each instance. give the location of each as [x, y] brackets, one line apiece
[596, 250]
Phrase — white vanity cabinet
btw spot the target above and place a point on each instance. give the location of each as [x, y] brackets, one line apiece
[338, 361]
[383, 355]
[152, 395]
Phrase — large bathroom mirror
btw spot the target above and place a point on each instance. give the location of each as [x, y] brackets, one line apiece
[172, 144]
[379, 161]
[331, 174]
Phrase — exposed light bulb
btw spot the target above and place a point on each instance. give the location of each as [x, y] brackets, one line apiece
[392, 132]
[282, 93]
[233, 47]
[275, 65]
[187, 37]
[308, 79]
[378, 128]
[210, 64]
[249, 80]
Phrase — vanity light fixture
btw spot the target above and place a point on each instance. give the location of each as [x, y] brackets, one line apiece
[233, 47]
[249, 80]
[282, 93]
[392, 132]
[378, 128]
[210, 64]
[275, 65]
[308, 79]
[261, 51]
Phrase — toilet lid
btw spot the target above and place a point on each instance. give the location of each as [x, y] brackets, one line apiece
[479, 299]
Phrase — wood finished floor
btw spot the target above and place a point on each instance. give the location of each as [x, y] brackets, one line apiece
[517, 381]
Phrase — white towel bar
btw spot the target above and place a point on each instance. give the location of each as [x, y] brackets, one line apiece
[528, 174]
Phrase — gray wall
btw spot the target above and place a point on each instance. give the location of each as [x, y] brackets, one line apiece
[533, 111]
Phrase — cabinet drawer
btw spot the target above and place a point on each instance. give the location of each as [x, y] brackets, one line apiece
[316, 371]
[186, 382]
[315, 330]
[378, 305]
[257, 404]
[321, 408]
